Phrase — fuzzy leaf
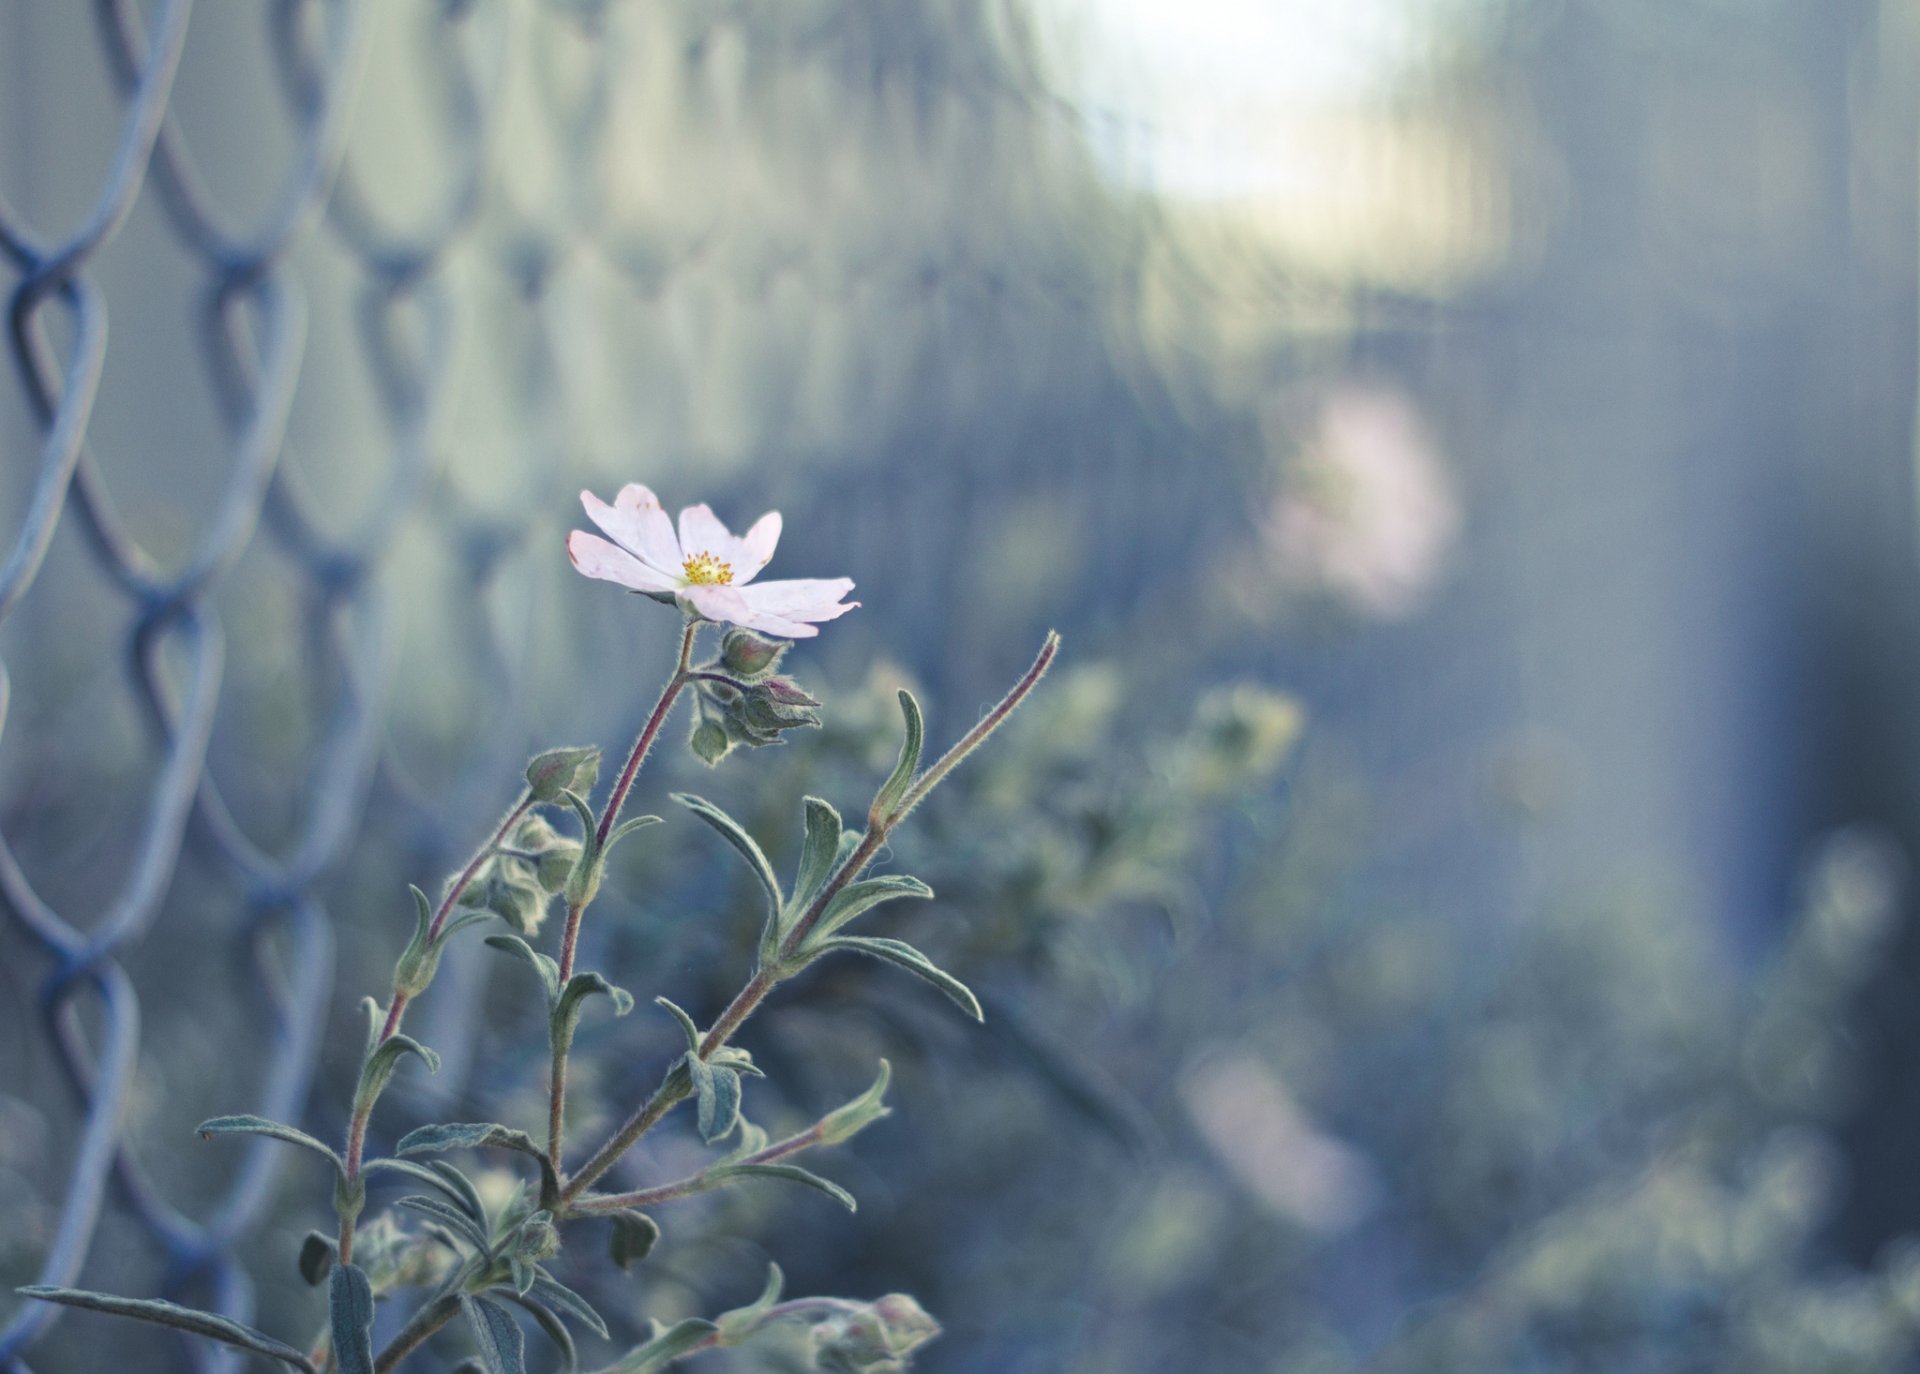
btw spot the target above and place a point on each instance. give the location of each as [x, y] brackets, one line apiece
[385, 1058]
[452, 1218]
[718, 1090]
[731, 831]
[318, 1251]
[556, 1330]
[666, 1347]
[894, 789]
[437, 1174]
[687, 1025]
[350, 1317]
[791, 1173]
[543, 965]
[555, 1294]
[416, 964]
[222, 1329]
[817, 852]
[634, 1234]
[857, 898]
[844, 1122]
[503, 1346]
[462, 918]
[626, 828]
[566, 1013]
[470, 1135]
[911, 959]
[259, 1125]
[737, 1325]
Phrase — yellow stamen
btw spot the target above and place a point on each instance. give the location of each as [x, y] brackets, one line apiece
[704, 570]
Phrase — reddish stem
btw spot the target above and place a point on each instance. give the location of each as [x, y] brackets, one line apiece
[570, 936]
[397, 1009]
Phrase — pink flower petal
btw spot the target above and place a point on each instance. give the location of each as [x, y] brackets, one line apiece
[701, 532]
[730, 604]
[802, 598]
[756, 548]
[595, 557]
[768, 623]
[636, 522]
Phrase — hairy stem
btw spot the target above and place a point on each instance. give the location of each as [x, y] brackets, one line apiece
[397, 1007]
[570, 937]
[680, 678]
[700, 1182]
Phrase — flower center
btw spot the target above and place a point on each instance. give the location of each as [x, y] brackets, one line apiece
[704, 570]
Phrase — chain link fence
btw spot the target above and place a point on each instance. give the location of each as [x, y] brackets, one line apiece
[282, 602]
[359, 258]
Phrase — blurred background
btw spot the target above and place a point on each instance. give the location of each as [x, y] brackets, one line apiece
[1449, 909]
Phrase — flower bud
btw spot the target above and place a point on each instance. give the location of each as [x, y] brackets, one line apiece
[518, 901]
[537, 1239]
[769, 707]
[555, 865]
[745, 654]
[876, 1338]
[563, 770]
[710, 742]
[553, 855]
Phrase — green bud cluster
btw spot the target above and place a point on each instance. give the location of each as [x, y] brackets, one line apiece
[517, 883]
[742, 702]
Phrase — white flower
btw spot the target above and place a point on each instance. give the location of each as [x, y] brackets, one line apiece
[704, 566]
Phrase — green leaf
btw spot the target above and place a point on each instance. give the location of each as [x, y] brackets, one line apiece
[453, 1218]
[911, 959]
[462, 918]
[817, 852]
[856, 898]
[474, 1135]
[555, 1294]
[737, 1325]
[845, 1122]
[548, 970]
[468, 1135]
[417, 962]
[503, 1346]
[437, 1174]
[894, 789]
[522, 1271]
[626, 828]
[731, 831]
[589, 823]
[735, 1058]
[555, 1329]
[378, 1069]
[583, 884]
[566, 1014]
[633, 1238]
[318, 1251]
[791, 1173]
[259, 1125]
[753, 1139]
[666, 1347]
[687, 1025]
[222, 1329]
[718, 1094]
[350, 1317]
